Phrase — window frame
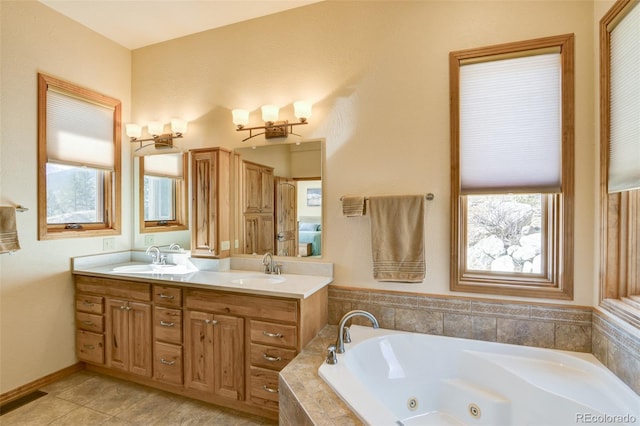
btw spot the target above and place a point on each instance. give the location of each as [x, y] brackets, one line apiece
[181, 203]
[557, 282]
[111, 183]
[619, 211]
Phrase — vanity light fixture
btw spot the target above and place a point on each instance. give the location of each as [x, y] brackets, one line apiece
[178, 127]
[272, 127]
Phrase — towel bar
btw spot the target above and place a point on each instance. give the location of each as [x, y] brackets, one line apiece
[429, 196]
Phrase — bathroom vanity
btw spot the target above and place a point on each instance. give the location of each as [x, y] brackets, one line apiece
[219, 337]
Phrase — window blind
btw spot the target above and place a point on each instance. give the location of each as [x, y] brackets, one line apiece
[79, 132]
[165, 165]
[511, 124]
[624, 137]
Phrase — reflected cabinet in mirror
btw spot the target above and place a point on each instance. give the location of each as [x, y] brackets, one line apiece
[278, 206]
[163, 192]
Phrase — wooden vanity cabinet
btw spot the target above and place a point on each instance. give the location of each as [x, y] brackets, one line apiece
[211, 202]
[217, 346]
[124, 309]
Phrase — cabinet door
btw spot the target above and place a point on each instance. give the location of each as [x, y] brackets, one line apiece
[266, 236]
[128, 335]
[203, 234]
[266, 187]
[198, 350]
[139, 317]
[252, 188]
[117, 334]
[228, 332]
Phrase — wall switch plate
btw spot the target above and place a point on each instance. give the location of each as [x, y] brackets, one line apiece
[149, 240]
[237, 243]
[108, 244]
[225, 245]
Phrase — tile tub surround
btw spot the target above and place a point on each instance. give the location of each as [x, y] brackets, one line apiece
[305, 399]
[574, 328]
[520, 323]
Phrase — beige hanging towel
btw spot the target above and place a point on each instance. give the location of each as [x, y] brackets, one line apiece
[8, 231]
[353, 206]
[397, 238]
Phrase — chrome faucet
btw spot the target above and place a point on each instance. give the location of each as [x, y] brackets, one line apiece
[269, 266]
[342, 330]
[154, 252]
[175, 246]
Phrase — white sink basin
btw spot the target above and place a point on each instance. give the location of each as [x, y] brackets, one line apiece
[153, 269]
[258, 280]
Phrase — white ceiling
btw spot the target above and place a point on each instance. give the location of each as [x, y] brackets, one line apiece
[138, 23]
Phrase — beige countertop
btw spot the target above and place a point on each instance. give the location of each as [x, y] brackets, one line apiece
[298, 286]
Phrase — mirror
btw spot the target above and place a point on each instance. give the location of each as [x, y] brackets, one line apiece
[278, 199]
[162, 192]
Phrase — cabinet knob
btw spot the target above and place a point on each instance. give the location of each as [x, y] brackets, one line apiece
[165, 296]
[266, 333]
[213, 322]
[167, 324]
[165, 362]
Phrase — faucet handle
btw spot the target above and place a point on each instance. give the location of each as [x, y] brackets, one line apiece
[332, 358]
[346, 335]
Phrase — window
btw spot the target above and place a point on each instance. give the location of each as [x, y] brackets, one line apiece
[78, 161]
[163, 192]
[512, 168]
[620, 160]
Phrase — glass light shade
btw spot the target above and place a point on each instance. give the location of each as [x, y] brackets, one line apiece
[270, 113]
[178, 125]
[302, 110]
[133, 130]
[155, 128]
[240, 117]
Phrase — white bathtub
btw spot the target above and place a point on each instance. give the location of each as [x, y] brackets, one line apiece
[395, 378]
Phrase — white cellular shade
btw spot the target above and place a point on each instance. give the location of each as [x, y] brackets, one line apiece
[79, 132]
[165, 165]
[624, 137]
[511, 124]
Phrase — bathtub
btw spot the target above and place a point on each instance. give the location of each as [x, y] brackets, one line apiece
[388, 377]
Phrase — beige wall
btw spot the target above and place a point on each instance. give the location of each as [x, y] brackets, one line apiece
[377, 73]
[36, 291]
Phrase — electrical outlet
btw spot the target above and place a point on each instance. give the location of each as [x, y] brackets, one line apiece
[108, 244]
[149, 240]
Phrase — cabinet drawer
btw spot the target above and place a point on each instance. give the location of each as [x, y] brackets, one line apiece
[271, 357]
[167, 324]
[91, 304]
[167, 364]
[90, 346]
[167, 296]
[90, 322]
[242, 305]
[274, 334]
[113, 288]
[263, 387]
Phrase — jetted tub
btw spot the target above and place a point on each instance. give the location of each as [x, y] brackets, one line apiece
[396, 378]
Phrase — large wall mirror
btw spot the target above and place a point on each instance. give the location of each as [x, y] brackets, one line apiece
[278, 206]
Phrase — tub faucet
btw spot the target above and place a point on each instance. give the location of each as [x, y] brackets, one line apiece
[341, 328]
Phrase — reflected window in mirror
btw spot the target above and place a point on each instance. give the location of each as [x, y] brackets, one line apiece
[163, 192]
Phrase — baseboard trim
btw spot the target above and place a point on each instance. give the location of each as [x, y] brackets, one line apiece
[24, 390]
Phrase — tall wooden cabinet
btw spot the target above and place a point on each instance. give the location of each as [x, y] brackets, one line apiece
[210, 179]
[258, 212]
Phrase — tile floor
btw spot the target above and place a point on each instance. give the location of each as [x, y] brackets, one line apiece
[87, 398]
